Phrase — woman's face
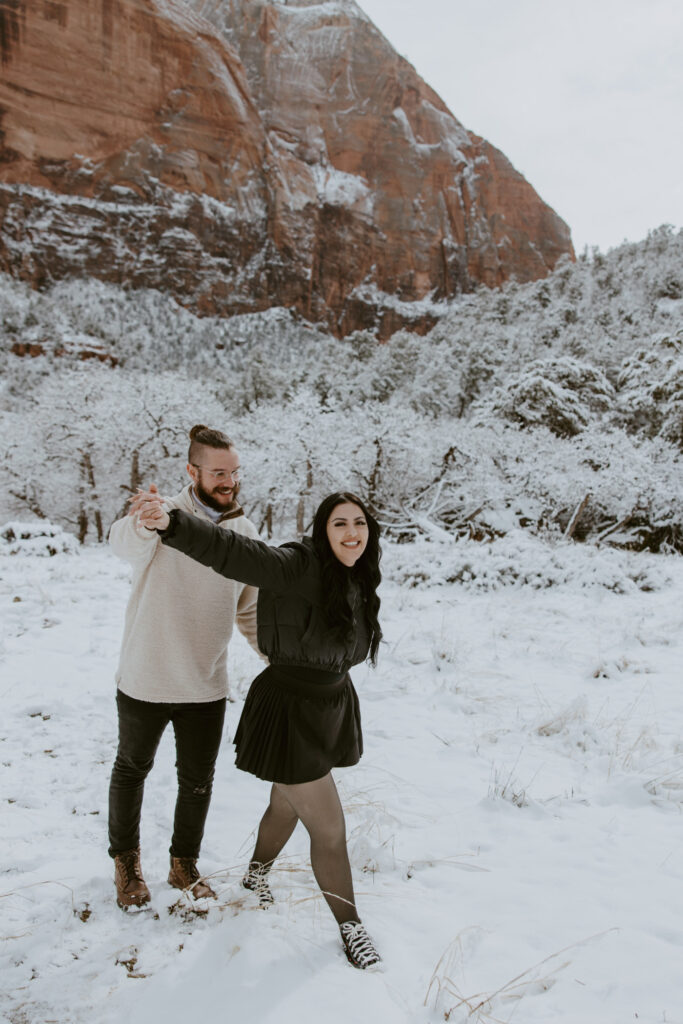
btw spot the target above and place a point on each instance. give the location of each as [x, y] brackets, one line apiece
[347, 532]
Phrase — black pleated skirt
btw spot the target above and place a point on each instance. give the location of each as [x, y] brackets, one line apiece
[297, 723]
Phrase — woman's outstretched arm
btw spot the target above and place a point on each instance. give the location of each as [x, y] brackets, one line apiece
[226, 552]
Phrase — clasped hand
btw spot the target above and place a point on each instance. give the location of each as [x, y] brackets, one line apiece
[148, 507]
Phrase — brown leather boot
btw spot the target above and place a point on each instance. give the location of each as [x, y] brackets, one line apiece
[184, 875]
[131, 890]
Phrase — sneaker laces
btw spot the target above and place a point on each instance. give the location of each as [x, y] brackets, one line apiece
[256, 880]
[359, 944]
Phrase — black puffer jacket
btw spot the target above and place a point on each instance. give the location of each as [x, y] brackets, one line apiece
[292, 629]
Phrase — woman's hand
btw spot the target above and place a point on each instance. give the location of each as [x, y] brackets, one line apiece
[148, 507]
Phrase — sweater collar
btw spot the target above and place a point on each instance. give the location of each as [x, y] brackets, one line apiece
[215, 516]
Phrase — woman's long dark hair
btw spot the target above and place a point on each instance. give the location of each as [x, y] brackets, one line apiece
[335, 576]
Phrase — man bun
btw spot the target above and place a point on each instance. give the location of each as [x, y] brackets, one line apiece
[206, 437]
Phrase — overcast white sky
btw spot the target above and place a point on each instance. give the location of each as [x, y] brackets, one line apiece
[584, 97]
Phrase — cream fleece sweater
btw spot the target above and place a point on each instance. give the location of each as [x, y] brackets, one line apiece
[180, 615]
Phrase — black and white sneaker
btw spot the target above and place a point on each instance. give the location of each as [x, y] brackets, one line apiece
[358, 946]
[256, 880]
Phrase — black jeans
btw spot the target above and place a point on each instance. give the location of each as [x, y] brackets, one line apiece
[198, 729]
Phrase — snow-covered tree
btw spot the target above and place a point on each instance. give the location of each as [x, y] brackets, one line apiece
[522, 406]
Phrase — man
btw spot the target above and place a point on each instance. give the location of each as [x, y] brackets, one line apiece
[172, 668]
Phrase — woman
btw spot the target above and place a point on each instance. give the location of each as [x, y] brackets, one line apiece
[317, 616]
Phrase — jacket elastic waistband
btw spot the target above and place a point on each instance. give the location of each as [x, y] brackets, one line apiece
[306, 681]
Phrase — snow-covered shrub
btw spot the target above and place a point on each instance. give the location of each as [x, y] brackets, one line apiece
[561, 394]
[625, 480]
[493, 478]
[38, 538]
[519, 559]
[650, 389]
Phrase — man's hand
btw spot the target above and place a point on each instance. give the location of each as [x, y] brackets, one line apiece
[148, 507]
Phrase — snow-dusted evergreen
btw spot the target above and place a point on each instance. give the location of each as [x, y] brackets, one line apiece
[521, 403]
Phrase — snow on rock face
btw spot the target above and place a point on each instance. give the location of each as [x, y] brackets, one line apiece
[331, 165]
[333, 93]
[118, 123]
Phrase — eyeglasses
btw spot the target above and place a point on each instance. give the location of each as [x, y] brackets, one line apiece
[221, 474]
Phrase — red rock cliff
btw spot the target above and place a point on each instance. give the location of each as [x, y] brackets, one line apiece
[248, 153]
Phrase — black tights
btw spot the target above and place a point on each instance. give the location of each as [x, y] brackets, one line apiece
[318, 806]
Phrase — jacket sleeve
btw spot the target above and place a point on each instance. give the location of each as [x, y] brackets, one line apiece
[230, 554]
[132, 542]
[246, 616]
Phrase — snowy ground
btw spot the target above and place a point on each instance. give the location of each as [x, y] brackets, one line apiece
[515, 825]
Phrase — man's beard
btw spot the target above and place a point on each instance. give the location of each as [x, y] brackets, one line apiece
[211, 502]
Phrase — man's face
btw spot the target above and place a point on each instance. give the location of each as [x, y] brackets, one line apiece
[216, 476]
